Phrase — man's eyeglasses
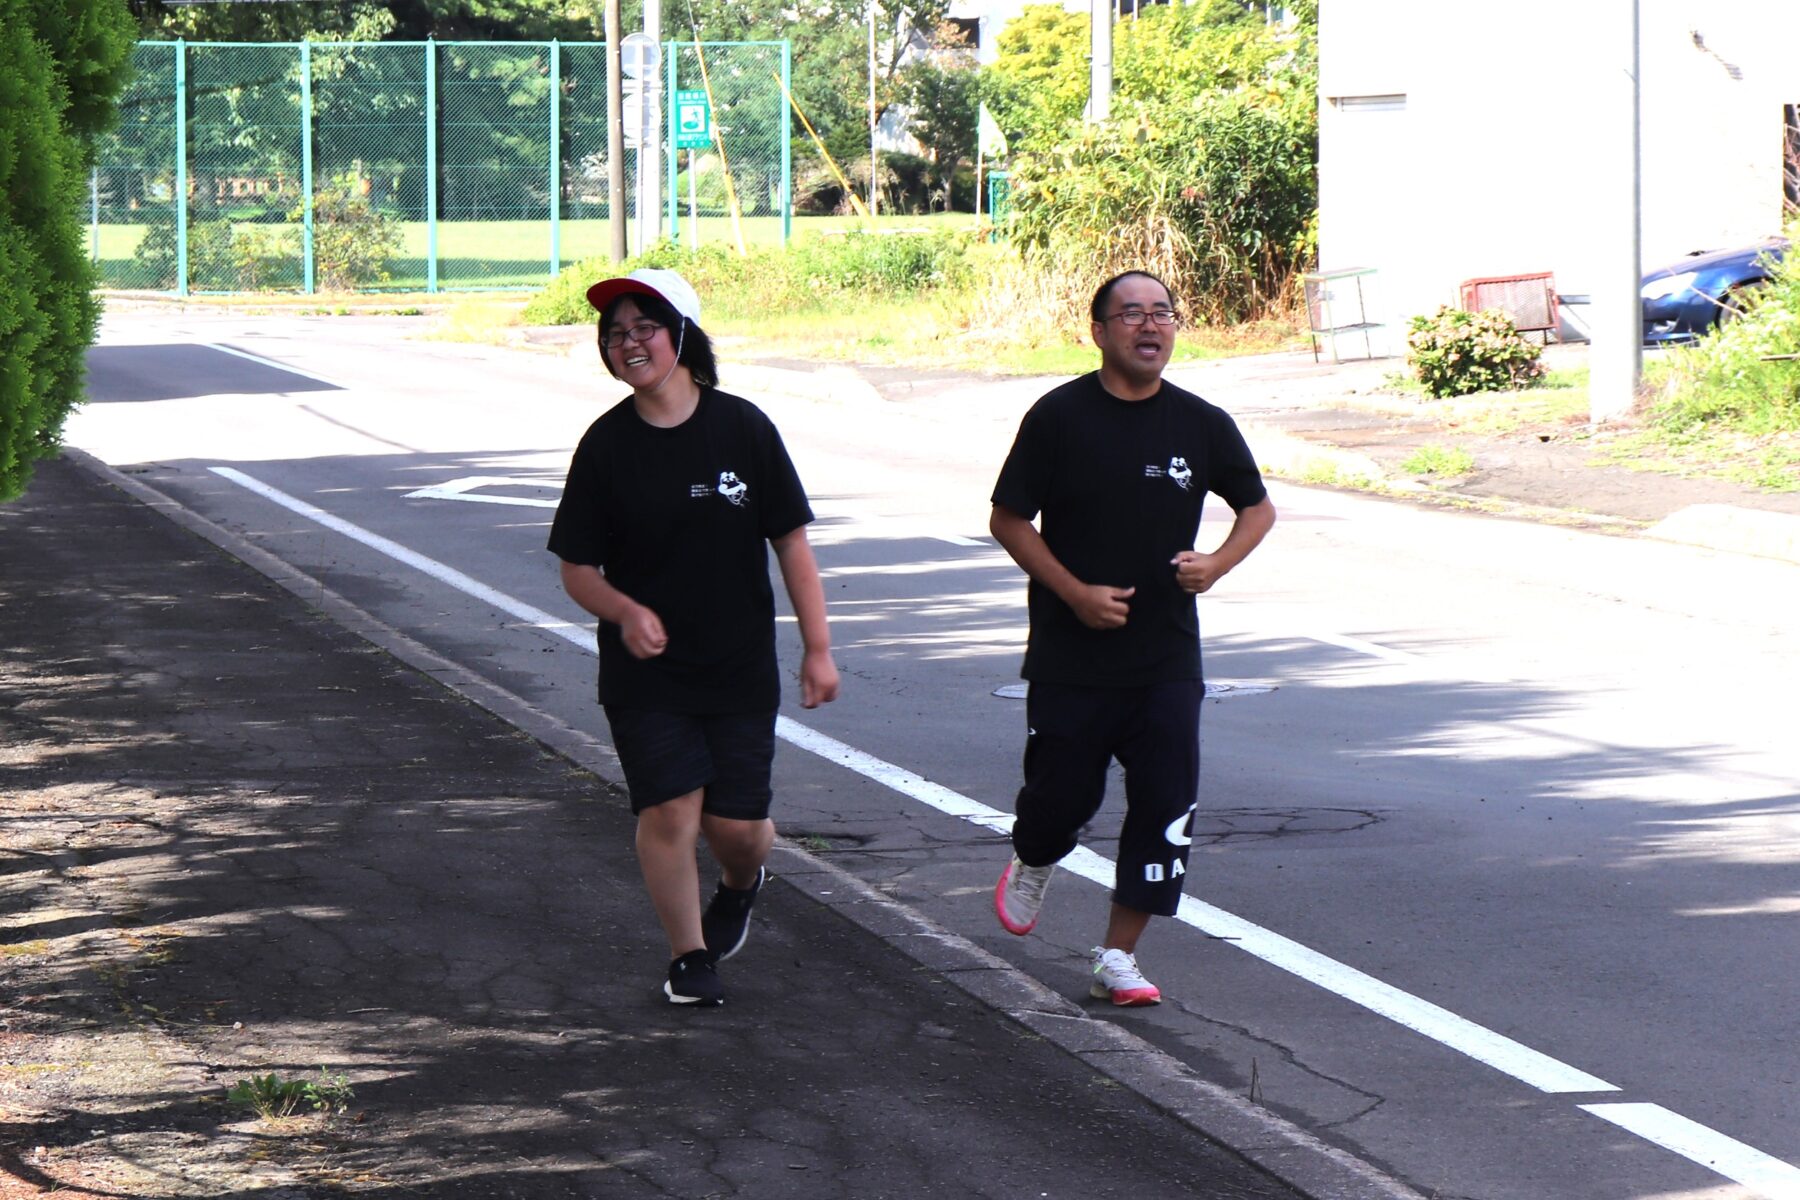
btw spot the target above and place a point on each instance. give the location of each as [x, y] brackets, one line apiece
[616, 337]
[1137, 316]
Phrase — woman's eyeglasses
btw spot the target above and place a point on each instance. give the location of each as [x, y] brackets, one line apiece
[616, 337]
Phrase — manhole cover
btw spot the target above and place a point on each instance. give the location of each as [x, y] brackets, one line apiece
[1214, 691]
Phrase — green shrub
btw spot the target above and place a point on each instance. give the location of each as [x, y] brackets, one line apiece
[352, 239]
[820, 274]
[882, 263]
[1735, 375]
[61, 64]
[1214, 195]
[1454, 353]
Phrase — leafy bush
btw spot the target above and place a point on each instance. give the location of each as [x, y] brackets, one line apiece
[1735, 376]
[1206, 176]
[352, 239]
[1454, 353]
[864, 262]
[1215, 195]
[61, 64]
[819, 274]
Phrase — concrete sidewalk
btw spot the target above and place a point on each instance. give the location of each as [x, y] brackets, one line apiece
[240, 839]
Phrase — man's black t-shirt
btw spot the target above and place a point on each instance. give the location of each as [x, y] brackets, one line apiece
[678, 519]
[1120, 484]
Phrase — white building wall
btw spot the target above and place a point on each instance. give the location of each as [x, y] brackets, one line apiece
[1489, 164]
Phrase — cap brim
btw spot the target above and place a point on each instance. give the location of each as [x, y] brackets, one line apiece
[608, 290]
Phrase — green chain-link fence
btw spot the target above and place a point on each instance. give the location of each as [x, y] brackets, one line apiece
[421, 166]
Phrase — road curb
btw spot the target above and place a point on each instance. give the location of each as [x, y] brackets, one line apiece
[1734, 530]
[1278, 1147]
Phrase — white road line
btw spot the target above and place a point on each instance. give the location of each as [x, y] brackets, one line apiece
[1765, 1174]
[1369, 648]
[465, 489]
[269, 362]
[535, 617]
[1711, 1149]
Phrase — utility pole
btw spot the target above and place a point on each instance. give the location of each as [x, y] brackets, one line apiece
[1100, 60]
[649, 198]
[615, 135]
[1616, 360]
[871, 109]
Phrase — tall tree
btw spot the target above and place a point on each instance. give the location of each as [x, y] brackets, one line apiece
[939, 91]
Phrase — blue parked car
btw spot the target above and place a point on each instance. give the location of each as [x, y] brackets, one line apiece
[1693, 297]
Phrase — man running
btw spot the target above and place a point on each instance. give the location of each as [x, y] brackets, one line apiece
[1118, 463]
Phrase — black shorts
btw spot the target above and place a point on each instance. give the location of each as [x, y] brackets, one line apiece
[666, 755]
[1072, 735]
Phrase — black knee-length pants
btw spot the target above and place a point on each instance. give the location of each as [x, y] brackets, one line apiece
[1072, 735]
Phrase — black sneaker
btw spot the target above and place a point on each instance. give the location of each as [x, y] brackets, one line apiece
[692, 980]
[726, 922]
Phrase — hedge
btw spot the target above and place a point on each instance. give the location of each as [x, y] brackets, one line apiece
[62, 63]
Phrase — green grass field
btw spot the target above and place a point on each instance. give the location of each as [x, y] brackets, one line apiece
[505, 254]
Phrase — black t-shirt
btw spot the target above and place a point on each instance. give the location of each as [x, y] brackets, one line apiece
[678, 519]
[1120, 484]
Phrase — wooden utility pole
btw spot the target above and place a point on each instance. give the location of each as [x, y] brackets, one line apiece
[615, 134]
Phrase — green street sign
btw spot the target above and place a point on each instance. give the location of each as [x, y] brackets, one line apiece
[693, 120]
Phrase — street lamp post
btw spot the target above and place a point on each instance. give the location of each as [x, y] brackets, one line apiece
[1100, 60]
[1616, 360]
[871, 109]
[615, 136]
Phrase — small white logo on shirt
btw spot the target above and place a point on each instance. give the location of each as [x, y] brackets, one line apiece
[733, 488]
[1178, 470]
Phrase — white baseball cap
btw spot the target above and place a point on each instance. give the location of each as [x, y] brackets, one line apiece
[666, 286]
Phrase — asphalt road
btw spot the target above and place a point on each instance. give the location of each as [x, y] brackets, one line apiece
[1494, 867]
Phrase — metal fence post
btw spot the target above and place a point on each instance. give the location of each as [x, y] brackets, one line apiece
[670, 56]
[94, 219]
[431, 167]
[180, 197]
[306, 165]
[555, 157]
[787, 149]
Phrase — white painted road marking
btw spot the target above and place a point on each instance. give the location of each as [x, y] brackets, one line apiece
[1717, 1152]
[269, 362]
[464, 489]
[1714, 1151]
[535, 617]
[467, 489]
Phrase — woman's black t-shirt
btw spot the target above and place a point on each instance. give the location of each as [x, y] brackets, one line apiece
[679, 520]
[1120, 485]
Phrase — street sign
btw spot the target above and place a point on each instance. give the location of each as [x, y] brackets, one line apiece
[641, 118]
[693, 120]
[639, 55]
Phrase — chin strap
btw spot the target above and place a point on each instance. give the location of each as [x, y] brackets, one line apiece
[680, 340]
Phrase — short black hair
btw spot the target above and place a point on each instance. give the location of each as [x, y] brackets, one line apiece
[1097, 310]
[696, 348]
